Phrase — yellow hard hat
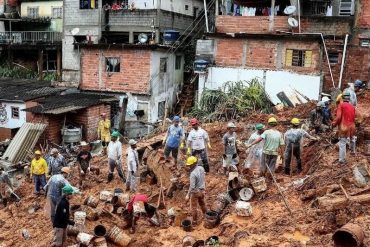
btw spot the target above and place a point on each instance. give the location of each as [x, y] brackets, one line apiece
[38, 152]
[272, 120]
[295, 121]
[339, 98]
[191, 161]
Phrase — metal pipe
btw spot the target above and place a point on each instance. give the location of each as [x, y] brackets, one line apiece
[343, 60]
[299, 16]
[206, 15]
[326, 51]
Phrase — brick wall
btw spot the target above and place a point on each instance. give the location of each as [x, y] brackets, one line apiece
[326, 25]
[5, 133]
[87, 118]
[363, 17]
[250, 24]
[134, 72]
[264, 54]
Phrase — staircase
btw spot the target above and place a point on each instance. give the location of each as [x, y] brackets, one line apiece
[186, 98]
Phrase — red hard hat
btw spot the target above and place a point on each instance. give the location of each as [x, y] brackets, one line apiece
[194, 121]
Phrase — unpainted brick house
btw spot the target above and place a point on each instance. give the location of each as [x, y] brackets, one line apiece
[253, 41]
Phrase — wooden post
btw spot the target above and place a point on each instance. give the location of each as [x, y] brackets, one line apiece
[272, 16]
[123, 115]
[59, 65]
[216, 8]
[40, 63]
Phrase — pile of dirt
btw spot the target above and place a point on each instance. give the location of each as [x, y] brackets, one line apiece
[270, 224]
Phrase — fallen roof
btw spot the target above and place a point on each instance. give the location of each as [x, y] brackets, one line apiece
[69, 102]
[20, 90]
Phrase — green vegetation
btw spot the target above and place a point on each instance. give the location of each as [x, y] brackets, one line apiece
[235, 99]
[16, 72]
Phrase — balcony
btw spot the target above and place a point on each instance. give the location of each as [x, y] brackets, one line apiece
[30, 37]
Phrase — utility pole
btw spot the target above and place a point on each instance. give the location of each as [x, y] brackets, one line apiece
[206, 15]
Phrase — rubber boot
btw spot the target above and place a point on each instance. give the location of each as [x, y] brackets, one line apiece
[110, 177]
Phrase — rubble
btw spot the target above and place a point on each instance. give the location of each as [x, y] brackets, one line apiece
[322, 200]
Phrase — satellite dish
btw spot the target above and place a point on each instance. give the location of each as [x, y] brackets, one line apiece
[292, 22]
[75, 31]
[290, 10]
[143, 38]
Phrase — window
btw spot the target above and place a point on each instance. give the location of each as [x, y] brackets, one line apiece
[163, 65]
[33, 12]
[57, 12]
[365, 42]
[15, 112]
[113, 64]
[88, 4]
[161, 109]
[333, 57]
[346, 7]
[299, 58]
[178, 62]
[186, 7]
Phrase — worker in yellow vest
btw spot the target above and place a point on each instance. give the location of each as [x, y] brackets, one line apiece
[104, 130]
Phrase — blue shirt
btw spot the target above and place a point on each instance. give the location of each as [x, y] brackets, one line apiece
[174, 135]
[55, 186]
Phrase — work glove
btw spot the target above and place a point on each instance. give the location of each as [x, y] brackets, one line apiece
[234, 156]
[164, 141]
[189, 151]
[209, 145]
[132, 173]
[224, 155]
[89, 169]
[182, 145]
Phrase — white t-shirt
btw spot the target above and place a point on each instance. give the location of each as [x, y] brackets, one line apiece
[114, 150]
[197, 139]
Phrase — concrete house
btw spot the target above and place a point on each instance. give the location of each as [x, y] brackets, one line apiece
[307, 45]
[103, 52]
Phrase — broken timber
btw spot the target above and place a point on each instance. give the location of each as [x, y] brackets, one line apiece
[332, 203]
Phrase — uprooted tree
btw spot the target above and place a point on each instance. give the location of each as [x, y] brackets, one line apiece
[233, 100]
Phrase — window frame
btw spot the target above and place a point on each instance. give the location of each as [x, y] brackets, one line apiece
[57, 16]
[330, 56]
[33, 15]
[362, 41]
[304, 58]
[161, 105]
[89, 4]
[12, 110]
[107, 66]
[163, 67]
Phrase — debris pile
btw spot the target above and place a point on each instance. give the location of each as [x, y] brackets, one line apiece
[244, 211]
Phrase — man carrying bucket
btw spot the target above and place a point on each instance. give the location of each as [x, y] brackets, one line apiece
[61, 220]
[230, 157]
[197, 186]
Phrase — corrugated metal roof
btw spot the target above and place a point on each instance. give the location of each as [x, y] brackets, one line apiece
[23, 142]
[69, 102]
[24, 90]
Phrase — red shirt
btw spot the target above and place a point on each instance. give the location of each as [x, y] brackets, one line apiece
[136, 198]
[345, 119]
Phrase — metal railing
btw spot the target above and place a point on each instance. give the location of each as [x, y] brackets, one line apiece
[30, 37]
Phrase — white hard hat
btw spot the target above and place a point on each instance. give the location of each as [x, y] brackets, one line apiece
[132, 142]
[325, 99]
[231, 125]
[54, 150]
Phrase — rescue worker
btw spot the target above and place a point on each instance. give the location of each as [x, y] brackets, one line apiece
[351, 89]
[197, 187]
[104, 130]
[197, 141]
[173, 139]
[230, 156]
[38, 171]
[327, 112]
[317, 118]
[254, 157]
[137, 206]
[293, 141]
[5, 184]
[132, 166]
[61, 220]
[56, 162]
[345, 120]
[114, 156]
[54, 189]
[273, 145]
[83, 158]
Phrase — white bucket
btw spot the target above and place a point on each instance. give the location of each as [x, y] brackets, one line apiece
[243, 208]
[139, 207]
[84, 238]
[79, 218]
[106, 196]
[233, 175]
[259, 184]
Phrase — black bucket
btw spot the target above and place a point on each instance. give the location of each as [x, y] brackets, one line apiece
[199, 243]
[234, 194]
[211, 219]
[118, 191]
[186, 225]
[100, 231]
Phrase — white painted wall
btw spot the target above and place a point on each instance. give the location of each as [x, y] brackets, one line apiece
[11, 123]
[144, 4]
[178, 6]
[274, 81]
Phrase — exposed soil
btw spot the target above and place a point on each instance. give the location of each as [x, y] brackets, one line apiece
[271, 224]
